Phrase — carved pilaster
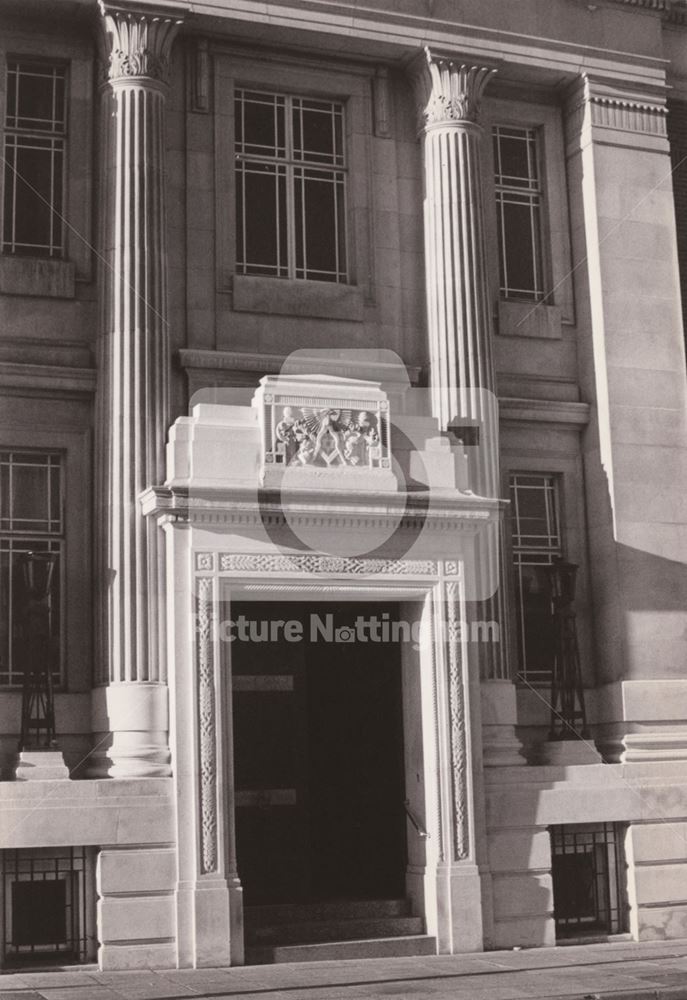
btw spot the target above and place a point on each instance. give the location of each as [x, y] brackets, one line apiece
[457, 721]
[207, 725]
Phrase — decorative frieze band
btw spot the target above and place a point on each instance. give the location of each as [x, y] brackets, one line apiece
[629, 116]
[207, 740]
[614, 111]
[449, 92]
[276, 563]
[140, 42]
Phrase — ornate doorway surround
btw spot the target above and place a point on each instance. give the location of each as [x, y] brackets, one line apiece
[230, 541]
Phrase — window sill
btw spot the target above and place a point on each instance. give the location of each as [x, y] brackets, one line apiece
[54, 279]
[287, 297]
[529, 319]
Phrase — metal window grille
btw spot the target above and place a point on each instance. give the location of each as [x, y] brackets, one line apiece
[518, 212]
[31, 520]
[48, 894]
[535, 512]
[35, 148]
[290, 187]
[589, 880]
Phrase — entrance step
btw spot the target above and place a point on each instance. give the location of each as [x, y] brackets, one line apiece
[312, 931]
[334, 930]
[339, 909]
[391, 947]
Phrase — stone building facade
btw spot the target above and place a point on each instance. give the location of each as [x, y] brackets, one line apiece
[324, 330]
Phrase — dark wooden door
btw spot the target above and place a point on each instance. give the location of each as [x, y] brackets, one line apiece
[318, 750]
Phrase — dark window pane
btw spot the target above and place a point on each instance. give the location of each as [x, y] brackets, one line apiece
[55, 498]
[30, 513]
[573, 886]
[10, 107]
[5, 614]
[39, 912]
[318, 217]
[37, 181]
[263, 237]
[40, 101]
[519, 223]
[514, 164]
[260, 131]
[314, 131]
[30, 497]
[10, 184]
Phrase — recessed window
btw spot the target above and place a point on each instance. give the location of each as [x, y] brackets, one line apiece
[35, 140]
[588, 869]
[47, 900]
[31, 520]
[290, 187]
[518, 212]
[535, 512]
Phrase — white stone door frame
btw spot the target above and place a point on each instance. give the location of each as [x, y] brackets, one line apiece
[445, 882]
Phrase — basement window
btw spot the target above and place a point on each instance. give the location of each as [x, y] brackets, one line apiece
[48, 895]
[589, 880]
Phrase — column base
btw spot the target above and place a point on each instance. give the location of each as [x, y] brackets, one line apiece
[460, 909]
[130, 723]
[41, 765]
[118, 757]
[501, 747]
[567, 753]
[658, 745]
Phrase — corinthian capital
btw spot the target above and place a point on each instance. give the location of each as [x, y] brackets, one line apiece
[138, 41]
[449, 91]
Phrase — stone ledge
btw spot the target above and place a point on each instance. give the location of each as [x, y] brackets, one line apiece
[36, 379]
[529, 319]
[119, 811]
[540, 411]
[33, 276]
[323, 299]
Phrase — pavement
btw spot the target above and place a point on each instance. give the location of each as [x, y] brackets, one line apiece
[623, 971]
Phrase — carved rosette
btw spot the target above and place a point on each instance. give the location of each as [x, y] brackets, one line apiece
[449, 92]
[139, 43]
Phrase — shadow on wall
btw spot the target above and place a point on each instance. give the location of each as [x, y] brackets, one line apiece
[638, 597]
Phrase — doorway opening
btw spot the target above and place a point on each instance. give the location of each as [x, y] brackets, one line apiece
[318, 751]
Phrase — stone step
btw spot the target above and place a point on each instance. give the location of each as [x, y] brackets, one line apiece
[390, 947]
[288, 913]
[315, 931]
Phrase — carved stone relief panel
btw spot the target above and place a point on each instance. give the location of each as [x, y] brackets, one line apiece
[322, 431]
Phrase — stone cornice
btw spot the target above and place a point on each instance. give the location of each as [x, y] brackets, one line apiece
[604, 105]
[138, 41]
[448, 91]
[453, 511]
[671, 11]
[275, 364]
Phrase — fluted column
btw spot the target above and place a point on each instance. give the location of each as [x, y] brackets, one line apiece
[459, 326]
[133, 392]
[457, 293]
